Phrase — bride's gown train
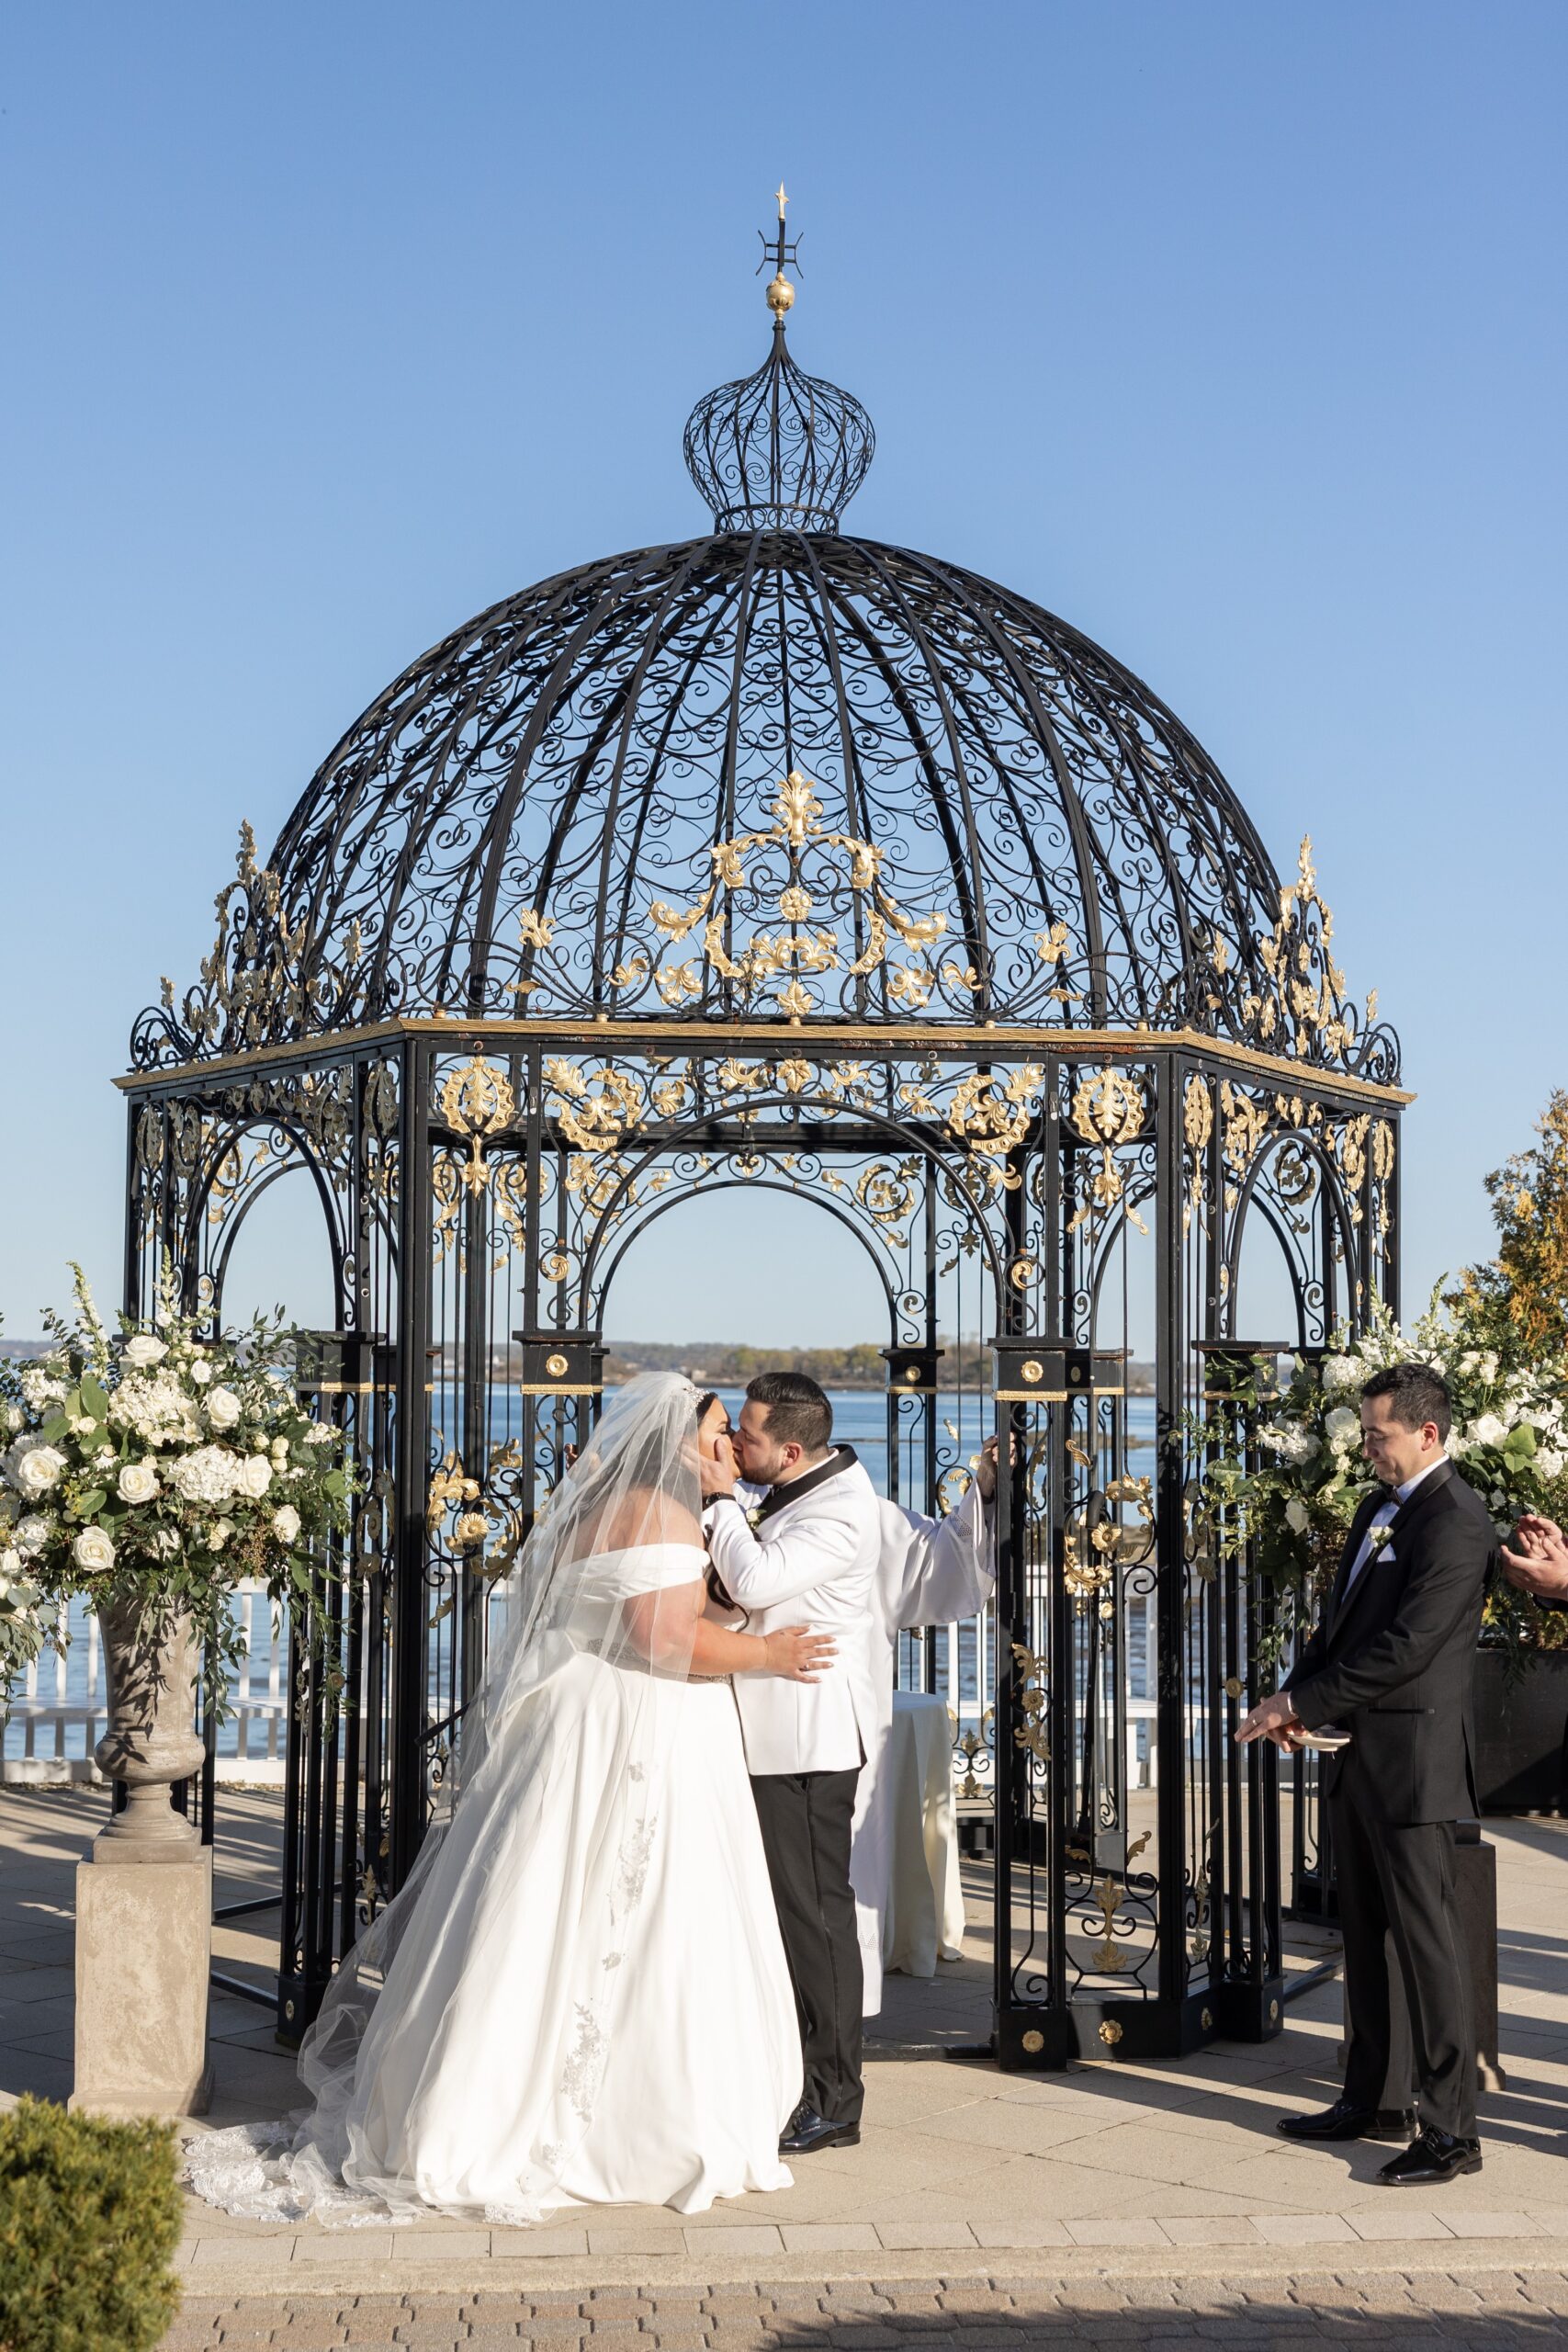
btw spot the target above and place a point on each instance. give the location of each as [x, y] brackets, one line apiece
[589, 2003]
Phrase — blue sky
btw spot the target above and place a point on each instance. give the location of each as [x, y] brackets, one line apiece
[1233, 334]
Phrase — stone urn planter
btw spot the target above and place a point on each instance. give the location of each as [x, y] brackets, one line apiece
[1521, 1728]
[145, 1935]
[150, 1663]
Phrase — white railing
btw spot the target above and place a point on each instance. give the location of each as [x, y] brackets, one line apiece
[58, 1708]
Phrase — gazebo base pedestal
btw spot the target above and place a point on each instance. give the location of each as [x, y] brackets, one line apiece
[143, 1956]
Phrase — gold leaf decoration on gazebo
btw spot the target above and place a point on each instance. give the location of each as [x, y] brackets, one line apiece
[803, 950]
[476, 1099]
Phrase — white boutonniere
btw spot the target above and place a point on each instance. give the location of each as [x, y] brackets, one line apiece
[754, 1518]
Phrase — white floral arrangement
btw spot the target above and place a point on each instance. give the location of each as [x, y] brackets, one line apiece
[164, 1464]
[1293, 1494]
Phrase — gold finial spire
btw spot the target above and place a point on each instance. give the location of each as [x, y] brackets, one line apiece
[781, 251]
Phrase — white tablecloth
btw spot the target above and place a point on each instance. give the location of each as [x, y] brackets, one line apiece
[923, 1918]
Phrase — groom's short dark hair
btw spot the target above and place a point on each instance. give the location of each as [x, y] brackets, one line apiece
[1415, 1393]
[799, 1410]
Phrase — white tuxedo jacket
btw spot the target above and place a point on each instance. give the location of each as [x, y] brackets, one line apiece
[812, 1562]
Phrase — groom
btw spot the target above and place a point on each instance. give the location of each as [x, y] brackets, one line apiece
[813, 1554]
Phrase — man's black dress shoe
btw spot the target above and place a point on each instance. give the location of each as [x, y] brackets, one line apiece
[1343, 2122]
[806, 2132]
[1431, 2157]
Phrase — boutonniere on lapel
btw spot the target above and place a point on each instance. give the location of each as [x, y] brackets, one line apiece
[754, 1518]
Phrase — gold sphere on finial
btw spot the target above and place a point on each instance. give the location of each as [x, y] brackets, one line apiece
[780, 295]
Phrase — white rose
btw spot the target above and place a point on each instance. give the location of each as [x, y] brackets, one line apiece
[218, 1535]
[1296, 1515]
[254, 1477]
[285, 1524]
[1342, 1427]
[93, 1551]
[280, 1449]
[138, 1482]
[1488, 1431]
[14, 1416]
[34, 1467]
[223, 1408]
[10, 1568]
[143, 1352]
[201, 1373]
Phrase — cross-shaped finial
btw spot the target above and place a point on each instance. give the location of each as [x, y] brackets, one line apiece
[779, 251]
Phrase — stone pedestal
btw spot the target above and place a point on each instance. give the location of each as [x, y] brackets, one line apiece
[143, 1955]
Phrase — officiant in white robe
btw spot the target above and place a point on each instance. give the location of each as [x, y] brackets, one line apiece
[933, 1572]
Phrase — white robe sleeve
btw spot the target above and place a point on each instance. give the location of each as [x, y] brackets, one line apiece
[935, 1571]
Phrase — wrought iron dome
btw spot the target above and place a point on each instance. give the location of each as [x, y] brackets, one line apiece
[780, 772]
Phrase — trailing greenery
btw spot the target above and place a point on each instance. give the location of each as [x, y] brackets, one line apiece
[90, 2215]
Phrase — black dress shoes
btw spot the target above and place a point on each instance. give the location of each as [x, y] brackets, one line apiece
[1343, 2122]
[806, 2132]
[1431, 2157]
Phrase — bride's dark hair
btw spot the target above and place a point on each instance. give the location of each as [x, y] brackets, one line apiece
[716, 1592]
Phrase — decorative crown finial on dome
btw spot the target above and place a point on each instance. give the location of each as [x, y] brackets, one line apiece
[780, 449]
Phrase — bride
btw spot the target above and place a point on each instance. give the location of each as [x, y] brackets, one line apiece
[529, 2024]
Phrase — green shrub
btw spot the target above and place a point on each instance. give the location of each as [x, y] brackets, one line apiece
[89, 2217]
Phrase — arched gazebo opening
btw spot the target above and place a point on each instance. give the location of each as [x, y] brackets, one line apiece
[783, 857]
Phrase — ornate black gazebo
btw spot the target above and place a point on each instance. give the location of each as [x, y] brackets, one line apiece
[785, 859]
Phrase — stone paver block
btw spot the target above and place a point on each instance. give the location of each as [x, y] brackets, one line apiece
[734, 2241]
[1211, 2229]
[1381, 2228]
[1123, 2233]
[911, 2237]
[1303, 2229]
[441, 2246]
[1020, 2237]
[625, 2240]
[347, 2246]
[538, 2245]
[830, 2237]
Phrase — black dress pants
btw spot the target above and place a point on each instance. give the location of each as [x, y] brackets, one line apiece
[1397, 1883]
[806, 1820]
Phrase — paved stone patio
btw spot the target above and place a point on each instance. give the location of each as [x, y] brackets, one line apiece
[1110, 2173]
[1487, 2310]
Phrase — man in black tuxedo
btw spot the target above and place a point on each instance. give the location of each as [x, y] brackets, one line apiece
[1391, 1665]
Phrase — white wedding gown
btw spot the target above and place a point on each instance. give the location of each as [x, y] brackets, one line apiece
[590, 2003]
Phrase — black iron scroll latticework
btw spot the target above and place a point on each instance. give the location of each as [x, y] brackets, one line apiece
[788, 860]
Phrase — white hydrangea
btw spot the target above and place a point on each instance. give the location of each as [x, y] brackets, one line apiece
[143, 1352]
[253, 1477]
[320, 1434]
[33, 1534]
[156, 1408]
[208, 1475]
[41, 1386]
[1550, 1461]
[1291, 1443]
[1339, 1374]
